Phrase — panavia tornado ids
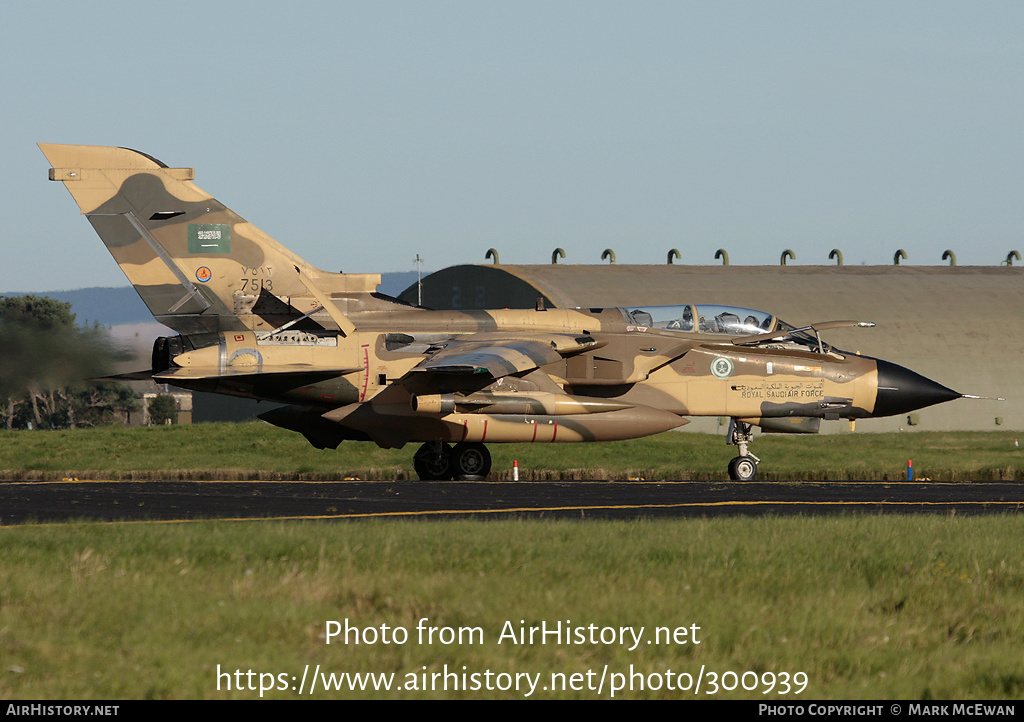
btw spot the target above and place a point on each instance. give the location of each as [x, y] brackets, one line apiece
[255, 320]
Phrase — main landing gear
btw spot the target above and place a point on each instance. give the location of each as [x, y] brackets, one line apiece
[744, 466]
[466, 461]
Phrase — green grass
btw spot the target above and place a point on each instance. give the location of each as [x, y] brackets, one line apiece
[868, 607]
[260, 451]
[879, 607]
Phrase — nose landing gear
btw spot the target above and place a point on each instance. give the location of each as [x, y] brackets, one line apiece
[744, 466]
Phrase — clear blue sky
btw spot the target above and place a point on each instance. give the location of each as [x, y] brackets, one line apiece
[362, 133]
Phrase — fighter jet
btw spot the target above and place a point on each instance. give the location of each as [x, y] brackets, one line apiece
[350, 364]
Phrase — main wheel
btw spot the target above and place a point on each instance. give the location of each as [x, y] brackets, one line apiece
[742, 468]
[433, 461]
[470, 461]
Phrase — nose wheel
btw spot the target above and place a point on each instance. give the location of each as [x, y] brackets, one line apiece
[744, 466]
[467, 461]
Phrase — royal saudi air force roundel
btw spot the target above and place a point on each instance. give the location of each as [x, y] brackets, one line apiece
[721, 367]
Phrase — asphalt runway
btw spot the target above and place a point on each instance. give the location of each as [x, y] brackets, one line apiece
[183, 501]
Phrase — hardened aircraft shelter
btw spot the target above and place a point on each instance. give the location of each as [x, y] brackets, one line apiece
[960, 325]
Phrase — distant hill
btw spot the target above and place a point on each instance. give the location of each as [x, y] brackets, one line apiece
[109, 306]
[120, 306]
[394, 283]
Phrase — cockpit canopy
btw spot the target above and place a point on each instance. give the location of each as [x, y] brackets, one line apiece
[731, 321]
[702, 318]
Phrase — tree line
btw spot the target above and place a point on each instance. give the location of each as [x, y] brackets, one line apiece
[46, 361]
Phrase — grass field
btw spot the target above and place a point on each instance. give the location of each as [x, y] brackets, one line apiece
[260, 451]
[866, 607]
[851, 607]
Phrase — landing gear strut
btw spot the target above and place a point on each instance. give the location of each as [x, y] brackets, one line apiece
[468, 461]
[744, 466]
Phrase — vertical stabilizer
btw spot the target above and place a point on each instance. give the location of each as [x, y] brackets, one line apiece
[198, 265]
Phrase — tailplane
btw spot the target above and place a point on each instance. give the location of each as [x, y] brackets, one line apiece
[198, 265]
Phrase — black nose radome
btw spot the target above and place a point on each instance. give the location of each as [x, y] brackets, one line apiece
[901, 390]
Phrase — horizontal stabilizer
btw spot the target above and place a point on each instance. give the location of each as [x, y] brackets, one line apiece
[310, 373]
[144, 375]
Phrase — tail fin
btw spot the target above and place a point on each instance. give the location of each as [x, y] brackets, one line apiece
[198, 266]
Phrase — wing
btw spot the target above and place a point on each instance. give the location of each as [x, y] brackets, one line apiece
[501, 356]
